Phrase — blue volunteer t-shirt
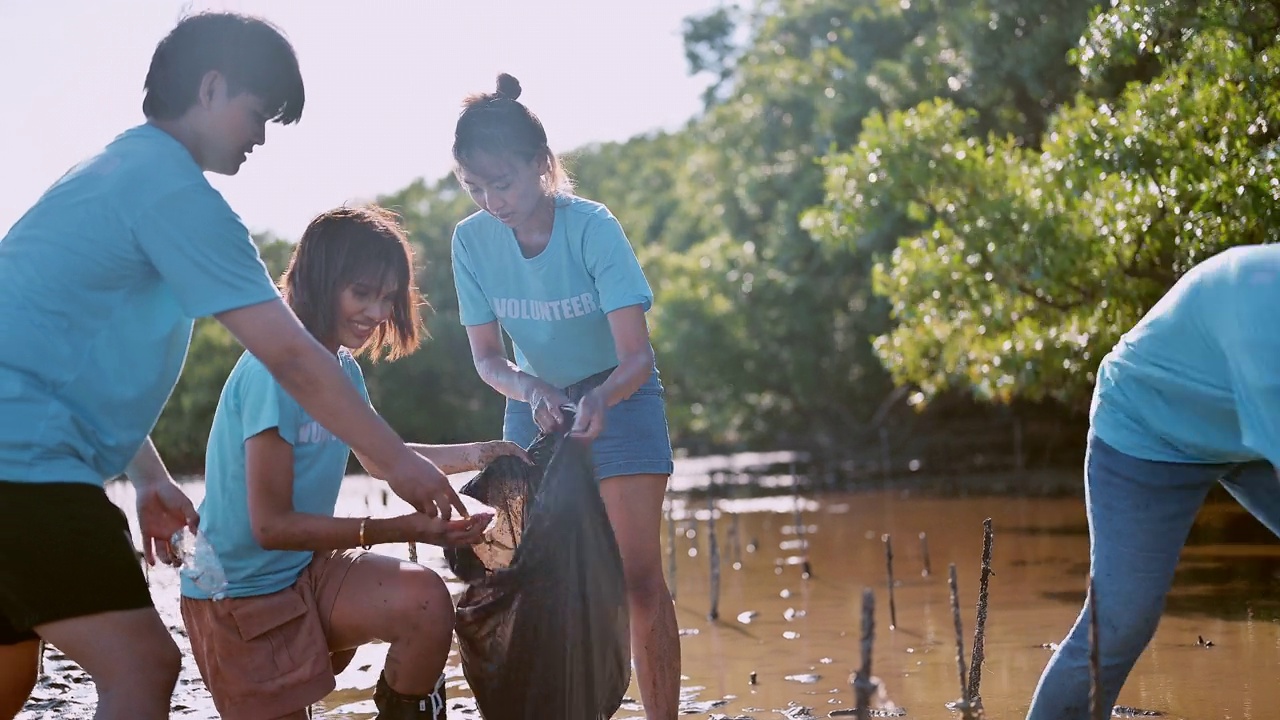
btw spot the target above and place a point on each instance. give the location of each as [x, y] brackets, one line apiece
[554, 305]
[252, 402]
[99, 284]
[1198, 378]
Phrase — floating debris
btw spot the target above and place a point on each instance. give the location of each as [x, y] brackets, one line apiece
[698, 707]
[803, 678]
[1201, 642]
[1123, 711]
[747, 616]
[794, 711]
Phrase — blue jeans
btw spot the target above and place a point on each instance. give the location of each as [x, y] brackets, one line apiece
[1140, 513]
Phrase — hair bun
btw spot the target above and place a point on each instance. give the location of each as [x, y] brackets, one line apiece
[508, 87]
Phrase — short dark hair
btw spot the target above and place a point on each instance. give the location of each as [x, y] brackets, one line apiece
[251, 53]
[349, 245]
[498, 123]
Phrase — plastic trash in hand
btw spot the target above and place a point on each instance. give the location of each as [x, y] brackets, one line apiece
[200, 563]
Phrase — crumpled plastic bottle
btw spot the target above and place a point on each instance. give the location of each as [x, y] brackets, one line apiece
[200, 562]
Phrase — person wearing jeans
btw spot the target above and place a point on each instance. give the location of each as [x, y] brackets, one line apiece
[1188, 398]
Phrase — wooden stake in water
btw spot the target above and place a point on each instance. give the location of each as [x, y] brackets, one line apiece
[924, 556]
[888, 559]
[806, 571]
[714, 547]
[980, 628]
[862, 685]
[962, 704]
[735, 541]
[671, 552]
[1096, 710]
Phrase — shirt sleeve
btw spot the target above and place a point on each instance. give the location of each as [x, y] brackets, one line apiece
[613, 265]
[473, 306]
[264, 405]
[1251, 343]
[203, 252]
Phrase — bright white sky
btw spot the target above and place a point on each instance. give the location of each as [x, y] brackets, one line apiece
[385, 81]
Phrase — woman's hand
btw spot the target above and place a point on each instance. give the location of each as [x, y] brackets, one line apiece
[424, 528]
[589, 422]
[546, 402]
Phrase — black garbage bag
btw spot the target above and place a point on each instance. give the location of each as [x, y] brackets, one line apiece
[543, 626]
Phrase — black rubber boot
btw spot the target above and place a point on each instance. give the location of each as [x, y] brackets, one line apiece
[394, 706]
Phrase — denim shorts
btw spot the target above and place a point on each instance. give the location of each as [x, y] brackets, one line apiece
[635, 440]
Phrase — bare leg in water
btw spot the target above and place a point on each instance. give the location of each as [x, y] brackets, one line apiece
[634, 505]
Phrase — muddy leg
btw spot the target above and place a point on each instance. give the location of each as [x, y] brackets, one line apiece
[634, 504]
[403, 604]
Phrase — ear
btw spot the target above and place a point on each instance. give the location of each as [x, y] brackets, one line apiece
[212, 87]
[543, 163]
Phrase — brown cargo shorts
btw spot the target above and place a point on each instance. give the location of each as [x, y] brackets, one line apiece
[266, 656]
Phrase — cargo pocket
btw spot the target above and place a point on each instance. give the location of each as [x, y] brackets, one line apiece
[280, 633]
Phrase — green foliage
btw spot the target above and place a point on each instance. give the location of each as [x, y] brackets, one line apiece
[1024, 265]
[945, 197]
[771, 311]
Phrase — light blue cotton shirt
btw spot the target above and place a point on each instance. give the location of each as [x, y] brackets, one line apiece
[554, 305]
[253, 402]
[99, 284]
[1198, 378]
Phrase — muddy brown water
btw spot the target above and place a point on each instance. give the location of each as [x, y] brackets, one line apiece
[799, 637]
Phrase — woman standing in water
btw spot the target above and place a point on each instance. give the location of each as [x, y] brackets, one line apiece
[558, 275]
[1188, 398]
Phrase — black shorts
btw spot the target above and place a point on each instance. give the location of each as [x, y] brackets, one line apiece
[65, 552]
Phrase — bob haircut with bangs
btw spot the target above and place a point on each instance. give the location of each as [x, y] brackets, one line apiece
[350, 245]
